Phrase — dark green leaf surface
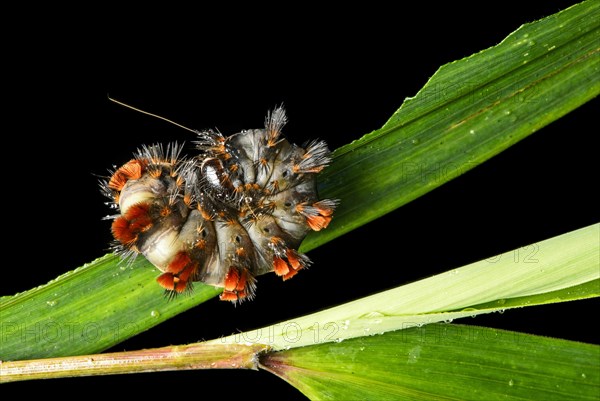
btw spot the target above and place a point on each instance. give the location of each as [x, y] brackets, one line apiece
[88, 310]
[443, 362]
[469, 111]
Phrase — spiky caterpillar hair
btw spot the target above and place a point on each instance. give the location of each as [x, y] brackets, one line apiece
[238, 209]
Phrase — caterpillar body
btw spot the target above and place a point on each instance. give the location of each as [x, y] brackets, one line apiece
[238, 209]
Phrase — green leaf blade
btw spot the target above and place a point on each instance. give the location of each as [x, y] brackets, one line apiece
[562, 268]
[78, 313]
[469, 111]
[442, 361]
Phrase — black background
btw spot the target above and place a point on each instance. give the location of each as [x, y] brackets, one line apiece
[340, 73]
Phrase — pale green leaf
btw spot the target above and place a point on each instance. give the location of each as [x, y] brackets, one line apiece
[567, 267]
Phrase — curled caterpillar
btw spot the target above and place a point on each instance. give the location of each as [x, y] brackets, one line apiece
[238, 209]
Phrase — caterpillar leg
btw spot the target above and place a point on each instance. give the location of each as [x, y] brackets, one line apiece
[288, 263]
[179, 274]
[319, 214]
[238, 285]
